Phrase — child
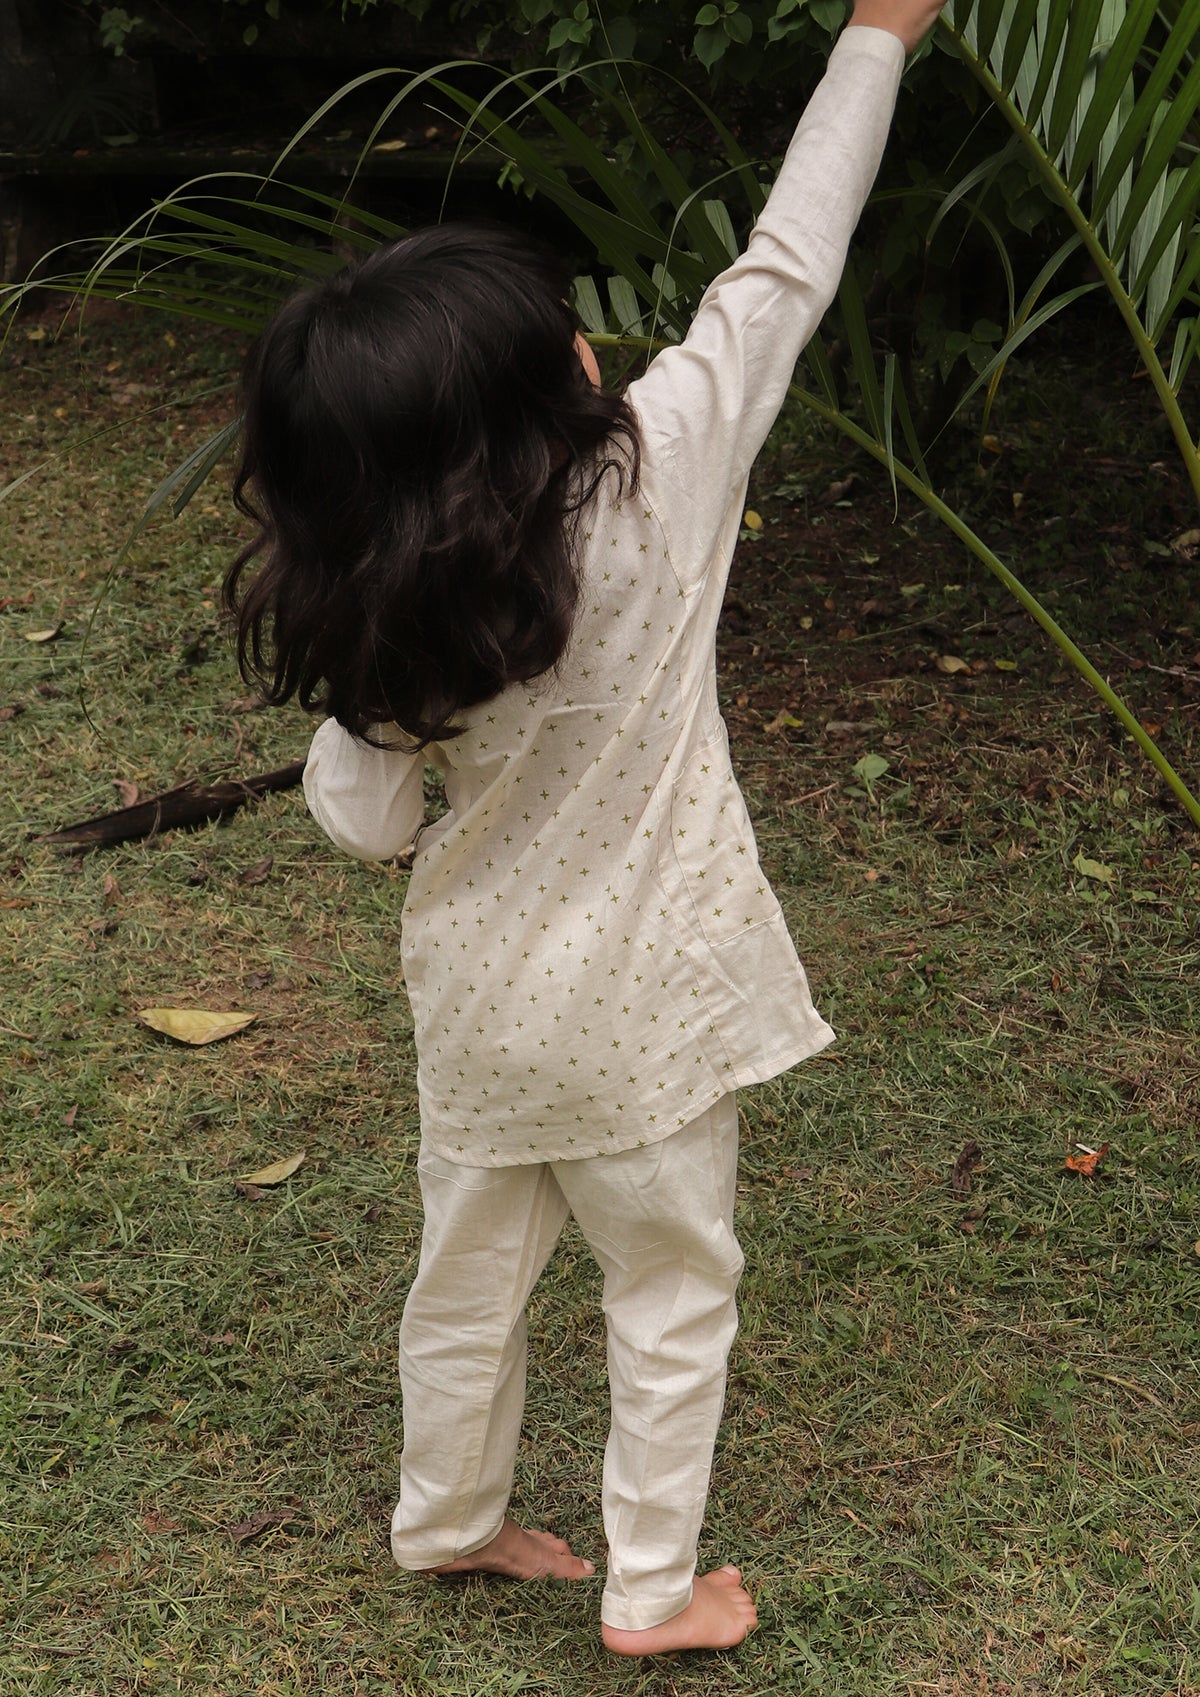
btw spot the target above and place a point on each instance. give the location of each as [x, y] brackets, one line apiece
[470, 552]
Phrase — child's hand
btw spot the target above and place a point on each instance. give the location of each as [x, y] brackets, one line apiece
[911, 20]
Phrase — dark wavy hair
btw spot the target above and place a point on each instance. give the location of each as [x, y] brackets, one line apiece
[420, 440]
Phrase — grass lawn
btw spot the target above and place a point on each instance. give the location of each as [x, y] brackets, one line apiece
[962, 1446]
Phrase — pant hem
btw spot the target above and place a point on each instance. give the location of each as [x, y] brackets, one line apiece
[438, 1559]
[635, 1617]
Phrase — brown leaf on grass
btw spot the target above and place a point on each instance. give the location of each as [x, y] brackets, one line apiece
[969, 1157]
[12, 710]
[972, 1218]
[784, 720]
[258, 873]
[252, 1192]
[95, 1287]
[837, 491]
[127, 790]
[1086, 1161]
[111, 891]
[245, 1530]
[69, 1116]
[155, 1523]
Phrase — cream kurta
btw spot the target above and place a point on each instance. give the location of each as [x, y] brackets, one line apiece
[592, 952]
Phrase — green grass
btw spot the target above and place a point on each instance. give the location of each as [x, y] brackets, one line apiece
[961, 1449]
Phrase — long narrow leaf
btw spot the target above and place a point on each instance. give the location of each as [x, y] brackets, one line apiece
[1047, 66]
[1111, 84]
[1017, 37]
[1069, 80]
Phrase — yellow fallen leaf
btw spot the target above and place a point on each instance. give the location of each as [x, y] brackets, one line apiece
[1093, 869]
[1005, 665]
[951, 663]
[752, 520]
[194, 1025]
[388, 146]
[276, 1172]
[43, 635]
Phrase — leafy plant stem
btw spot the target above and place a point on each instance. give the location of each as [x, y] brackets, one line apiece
[960, 528]
[1058, 189]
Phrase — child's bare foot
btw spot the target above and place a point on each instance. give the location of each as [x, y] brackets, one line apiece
[719, 1616]
[519, 1554]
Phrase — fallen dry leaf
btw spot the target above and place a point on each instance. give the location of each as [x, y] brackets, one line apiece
[155, 1523]
[194, 1025]
[783, 721]
[127, 790]
[43, 635]
[969, 1157]
[258, 1523]
[111, 891]
[276, 1172]
[951, 663]
[1087, 1161]
[258, 873]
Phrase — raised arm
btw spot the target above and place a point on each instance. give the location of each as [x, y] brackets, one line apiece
[706, 405]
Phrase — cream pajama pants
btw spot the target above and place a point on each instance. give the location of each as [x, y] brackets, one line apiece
[659, 1221]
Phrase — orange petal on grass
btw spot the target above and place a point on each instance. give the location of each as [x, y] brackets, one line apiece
[1087, 1163]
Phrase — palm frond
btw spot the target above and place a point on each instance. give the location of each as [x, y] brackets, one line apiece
[1104, 120]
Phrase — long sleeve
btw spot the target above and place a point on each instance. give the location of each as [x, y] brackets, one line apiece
[369, 801]
[706, 405]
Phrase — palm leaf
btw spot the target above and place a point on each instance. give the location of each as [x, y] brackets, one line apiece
[1065, 78]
